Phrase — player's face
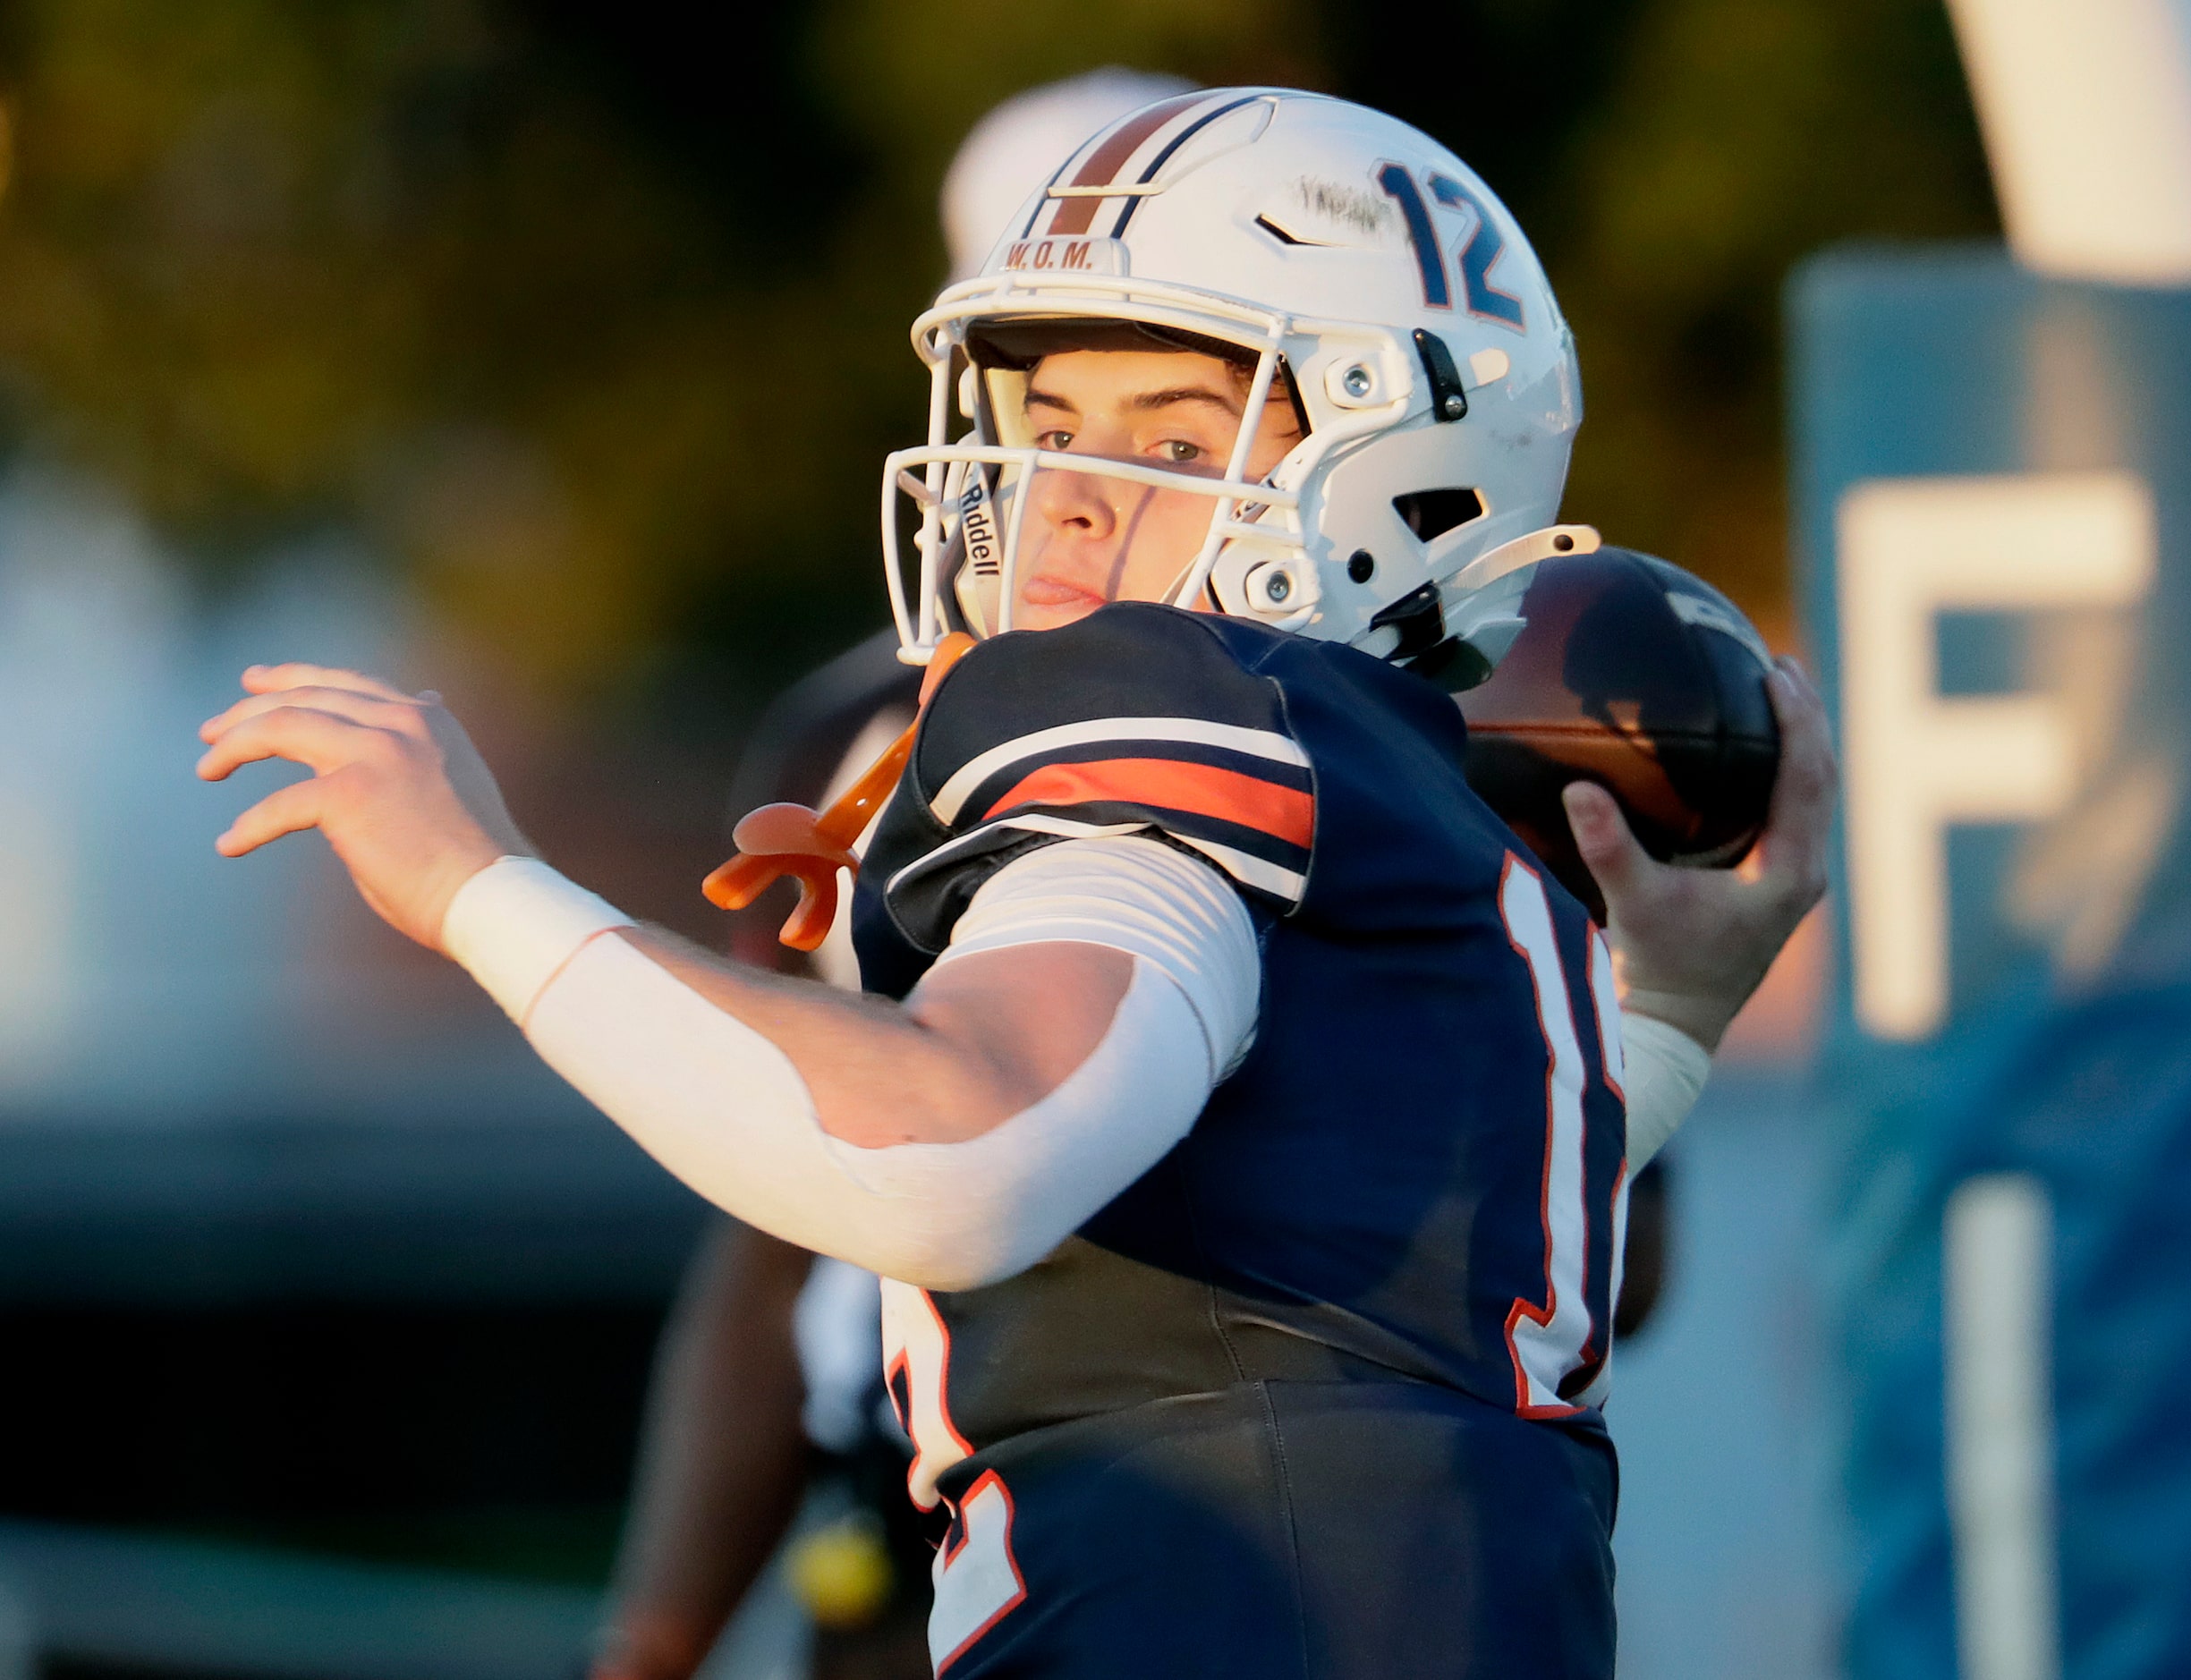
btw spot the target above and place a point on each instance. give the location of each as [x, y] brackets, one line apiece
[1091, 539]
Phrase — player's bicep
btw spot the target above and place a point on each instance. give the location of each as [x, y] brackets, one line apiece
[1041, 960]
[1131, 895]
[1029, 1015]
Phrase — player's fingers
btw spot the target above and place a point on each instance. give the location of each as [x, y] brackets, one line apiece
[320, 741]
[1803, 790]
[1798, 673]
[265, 679]
[285, 811]
[404, 715]
[1614, 857]
[1800, 818]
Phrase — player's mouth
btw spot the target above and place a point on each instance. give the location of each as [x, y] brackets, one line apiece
[1047, 589]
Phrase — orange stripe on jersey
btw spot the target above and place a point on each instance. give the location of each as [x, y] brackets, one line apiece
[1077, 214]
[1286, 813]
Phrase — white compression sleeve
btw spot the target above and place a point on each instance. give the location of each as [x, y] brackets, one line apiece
[1141, 896]
[724, 1109]
[1664, 1071]
[512, 926]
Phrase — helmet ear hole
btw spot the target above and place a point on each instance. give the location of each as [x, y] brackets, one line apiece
[1431, 513]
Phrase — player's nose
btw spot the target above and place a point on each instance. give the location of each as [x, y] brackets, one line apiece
[1066, 500]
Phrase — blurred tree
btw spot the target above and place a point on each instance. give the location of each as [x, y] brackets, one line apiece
[605, 372]
[594, 319]
[274, 266]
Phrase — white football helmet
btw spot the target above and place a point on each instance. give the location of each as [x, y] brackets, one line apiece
[1332, 248]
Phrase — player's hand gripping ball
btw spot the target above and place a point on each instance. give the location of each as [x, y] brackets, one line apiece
[1636, 676]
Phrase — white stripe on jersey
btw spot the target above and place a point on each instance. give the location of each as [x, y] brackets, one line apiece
[1260, 743]
[1250, 871]
[1034, 822]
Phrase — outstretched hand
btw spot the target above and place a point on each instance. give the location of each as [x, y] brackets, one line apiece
[397, 787]
[1690, 945]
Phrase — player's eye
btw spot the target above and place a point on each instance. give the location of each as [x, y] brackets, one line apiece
[1181, 453]
[1053, 440]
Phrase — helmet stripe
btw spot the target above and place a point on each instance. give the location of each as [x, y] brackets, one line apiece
[1164, 156]
[1043, 203]
[1077, 214]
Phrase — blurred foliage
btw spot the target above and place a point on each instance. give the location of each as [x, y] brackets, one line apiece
[277, 266]
[594, 319]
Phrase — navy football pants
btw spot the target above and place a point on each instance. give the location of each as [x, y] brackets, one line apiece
[1319, 1530]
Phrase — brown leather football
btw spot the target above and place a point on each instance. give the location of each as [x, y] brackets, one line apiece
[1632, 674]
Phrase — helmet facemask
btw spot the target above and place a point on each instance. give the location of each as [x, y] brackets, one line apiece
[972, 496]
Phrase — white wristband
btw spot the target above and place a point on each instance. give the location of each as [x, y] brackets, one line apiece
[513, 924]
[1666, 1069]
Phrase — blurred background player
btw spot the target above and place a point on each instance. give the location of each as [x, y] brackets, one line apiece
[768, 1383]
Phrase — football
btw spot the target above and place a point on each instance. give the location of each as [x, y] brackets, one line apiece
[1630, 672]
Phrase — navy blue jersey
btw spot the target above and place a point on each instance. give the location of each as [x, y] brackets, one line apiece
[1417, 1171]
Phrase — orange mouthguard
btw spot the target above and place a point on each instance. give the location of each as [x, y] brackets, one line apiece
[790, 840]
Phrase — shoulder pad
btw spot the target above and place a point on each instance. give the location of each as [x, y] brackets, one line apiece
[1138, 718]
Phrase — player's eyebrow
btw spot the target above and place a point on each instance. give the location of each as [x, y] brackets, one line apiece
[1182, 394]
[1143, 400]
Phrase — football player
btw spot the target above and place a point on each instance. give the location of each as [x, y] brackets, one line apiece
[1241, 1115]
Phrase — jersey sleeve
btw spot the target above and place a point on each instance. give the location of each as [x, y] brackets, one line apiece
[1136, 720]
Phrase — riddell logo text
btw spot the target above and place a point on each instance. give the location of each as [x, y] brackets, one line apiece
[1050, 253]
[981, 529]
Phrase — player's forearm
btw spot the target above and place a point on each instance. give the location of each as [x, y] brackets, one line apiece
[719, 1103]
[941, 1068]
[723, 1109]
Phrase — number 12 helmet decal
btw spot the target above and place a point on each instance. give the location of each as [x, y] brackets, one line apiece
[1340, 259]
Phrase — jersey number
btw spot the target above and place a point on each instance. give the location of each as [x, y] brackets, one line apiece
[978, 1582]
[1554, 1341]
[1485, 247]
